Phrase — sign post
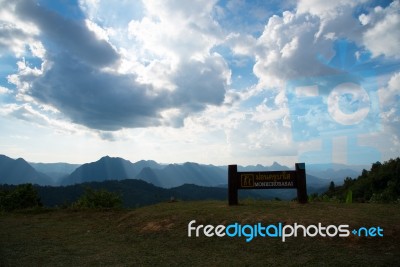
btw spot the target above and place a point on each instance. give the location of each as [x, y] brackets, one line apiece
[301, 183]
[232, 185]
[267, 180]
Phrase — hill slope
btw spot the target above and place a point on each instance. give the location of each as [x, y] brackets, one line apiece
[380, 184]
[18, 171]
[157, 235]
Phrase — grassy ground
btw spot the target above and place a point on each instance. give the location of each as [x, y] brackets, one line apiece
[157, 235]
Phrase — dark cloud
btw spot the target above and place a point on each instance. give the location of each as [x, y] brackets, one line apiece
[71, 36]
[74, 80]
[110, 101]
[200, 83]
[97, 99]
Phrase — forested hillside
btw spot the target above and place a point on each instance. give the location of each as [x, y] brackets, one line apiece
[380, 184]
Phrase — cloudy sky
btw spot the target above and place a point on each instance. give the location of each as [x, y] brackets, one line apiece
[216, 82]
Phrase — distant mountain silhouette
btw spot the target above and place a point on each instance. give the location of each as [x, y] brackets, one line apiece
[274, 167]
[149, 175]
[162, 175]
[172, 175]
[56, 171]
[139, 165]
[108, 168]
[188, 173]
[337, 176]
[18, 171]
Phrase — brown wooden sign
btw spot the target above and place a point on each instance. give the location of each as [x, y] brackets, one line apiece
[267, 180]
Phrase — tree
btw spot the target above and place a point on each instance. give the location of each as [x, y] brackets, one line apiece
[331, 186]
[99, 199]
[21, 197]
[380, 184]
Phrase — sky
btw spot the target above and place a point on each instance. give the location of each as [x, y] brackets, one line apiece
[213, 82]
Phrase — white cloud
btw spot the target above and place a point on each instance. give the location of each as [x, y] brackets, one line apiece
[241, 44]
[292, 45]
[17, 34]
[111, 13]
[382, 33]
[176, 30]
[287, 49]
[326, 9]
[101, 33]
[4, 90]
[257, 140]
[389, 97]
[307, 91]
[40, 116]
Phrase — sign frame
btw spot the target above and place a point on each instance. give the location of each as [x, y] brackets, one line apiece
[267, 180]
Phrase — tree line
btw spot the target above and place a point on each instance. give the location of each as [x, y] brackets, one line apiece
[26, 196]
[380, 184]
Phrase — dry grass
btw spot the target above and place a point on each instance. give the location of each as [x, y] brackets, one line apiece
[157, 235]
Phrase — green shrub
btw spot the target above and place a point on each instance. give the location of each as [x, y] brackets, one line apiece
[349, 197]
[98, 199]
[21, 197]
[313, 197]
[325, 198]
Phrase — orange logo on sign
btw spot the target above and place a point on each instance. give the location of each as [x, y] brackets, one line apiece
[247, 180]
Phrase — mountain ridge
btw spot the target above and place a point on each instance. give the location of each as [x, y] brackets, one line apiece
[20, 171]
[163, 175]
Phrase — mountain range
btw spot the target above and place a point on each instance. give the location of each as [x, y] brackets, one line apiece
[17, 171]
[56, 171]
